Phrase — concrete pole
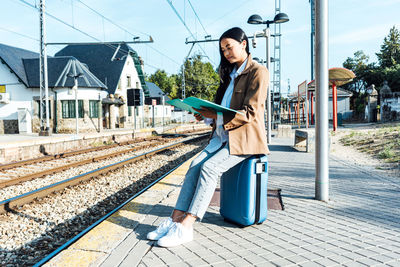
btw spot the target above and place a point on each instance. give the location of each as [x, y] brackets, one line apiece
[267, 37]
[322, 86]
[76, 104]
[307, 111]
[334, 106]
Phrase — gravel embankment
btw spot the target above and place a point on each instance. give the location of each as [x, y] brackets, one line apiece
[33, 231]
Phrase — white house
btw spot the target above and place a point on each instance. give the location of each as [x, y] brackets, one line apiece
[119, 67]
[19, 88]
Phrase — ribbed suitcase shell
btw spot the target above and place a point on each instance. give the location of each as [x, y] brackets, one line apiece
[239, 190]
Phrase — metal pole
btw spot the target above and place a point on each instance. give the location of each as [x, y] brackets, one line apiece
[322, 86]
[163, 112]
[267, 36]
[183, 81]
[76, 104]
[41, 65]
[43, 72]
[307, 105]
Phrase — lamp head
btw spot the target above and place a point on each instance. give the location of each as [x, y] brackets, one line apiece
[255, 19]
[281, 18]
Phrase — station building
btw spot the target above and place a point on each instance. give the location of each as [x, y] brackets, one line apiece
[107, 72]
[20, 93]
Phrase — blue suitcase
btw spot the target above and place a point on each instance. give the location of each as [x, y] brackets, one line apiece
[243, 196]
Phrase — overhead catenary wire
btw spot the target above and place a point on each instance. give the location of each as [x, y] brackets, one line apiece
[88, 35]
[20, 34]
[186, 26]
[198, 18]
[109, 20]
[125, 30]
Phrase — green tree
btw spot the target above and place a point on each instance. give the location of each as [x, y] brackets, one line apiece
[359, 65]
[167, 84]
[389, 55]
[201, 80]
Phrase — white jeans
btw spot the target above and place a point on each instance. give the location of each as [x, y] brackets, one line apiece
[202, 177]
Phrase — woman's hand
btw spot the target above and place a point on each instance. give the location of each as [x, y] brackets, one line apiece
[198, 116]
[207, 113]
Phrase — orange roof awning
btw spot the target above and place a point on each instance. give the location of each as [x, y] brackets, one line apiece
[339, 76]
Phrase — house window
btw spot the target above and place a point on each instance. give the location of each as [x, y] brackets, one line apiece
[68, 109]
[137, 85]
[93, 108]
[44, 109]
[128, 81]
[129, 111]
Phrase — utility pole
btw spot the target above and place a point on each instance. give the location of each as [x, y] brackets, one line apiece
[44, 131]
[276, 80]
[322, 86]
[183, 73]
[312, 37]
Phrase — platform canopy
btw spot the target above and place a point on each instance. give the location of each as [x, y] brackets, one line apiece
[339, 76]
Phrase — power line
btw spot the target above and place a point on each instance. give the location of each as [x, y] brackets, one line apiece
[194, 11]
[20, 34]
[187, 28]
[61, 21]
[198, 18]
[75, 28]
[109, 20]
[125, 30]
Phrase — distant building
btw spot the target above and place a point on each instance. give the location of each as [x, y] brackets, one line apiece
[343, 104]
[390, 103]
[19, 93]
[157, 101]
[119, 67]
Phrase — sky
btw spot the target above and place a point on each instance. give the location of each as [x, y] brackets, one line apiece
[353, 25]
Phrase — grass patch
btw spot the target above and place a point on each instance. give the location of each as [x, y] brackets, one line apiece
[387, 153]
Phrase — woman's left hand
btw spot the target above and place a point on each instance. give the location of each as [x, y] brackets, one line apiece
[207, 113]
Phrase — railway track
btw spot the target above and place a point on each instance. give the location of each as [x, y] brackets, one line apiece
[45, 158]
[31, 232]
[12, 177]
[11, 203]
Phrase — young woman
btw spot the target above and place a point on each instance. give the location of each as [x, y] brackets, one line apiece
[243, 87]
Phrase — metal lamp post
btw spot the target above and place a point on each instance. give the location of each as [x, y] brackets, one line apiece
[256, 19]
[75, 88]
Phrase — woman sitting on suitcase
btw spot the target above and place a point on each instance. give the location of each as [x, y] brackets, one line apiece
[243, 87]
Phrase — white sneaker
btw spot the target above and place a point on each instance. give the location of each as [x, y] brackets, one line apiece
[161, 230]
[177, 235]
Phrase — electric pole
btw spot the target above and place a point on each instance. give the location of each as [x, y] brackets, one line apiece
[44, 130]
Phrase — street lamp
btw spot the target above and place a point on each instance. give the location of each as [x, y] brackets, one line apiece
[256, 19]
[75, 88]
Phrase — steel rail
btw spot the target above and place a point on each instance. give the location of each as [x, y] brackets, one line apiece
[8, 204]
[68, 154]
[32, 176]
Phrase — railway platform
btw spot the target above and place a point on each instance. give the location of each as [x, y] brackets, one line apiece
[359, 226]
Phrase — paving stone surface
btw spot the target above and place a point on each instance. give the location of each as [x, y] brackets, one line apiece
[359, 226]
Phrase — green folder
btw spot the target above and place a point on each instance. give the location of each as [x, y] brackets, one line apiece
[194, 102]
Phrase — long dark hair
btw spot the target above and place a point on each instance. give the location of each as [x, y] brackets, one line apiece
[225, 68]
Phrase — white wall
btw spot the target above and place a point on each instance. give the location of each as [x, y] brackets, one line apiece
[128, 70]
[83, 93]
[20, 96]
